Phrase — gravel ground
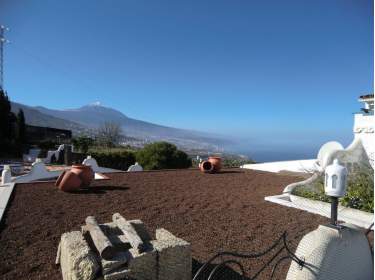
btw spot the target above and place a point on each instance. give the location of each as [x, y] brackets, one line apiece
[214, 212]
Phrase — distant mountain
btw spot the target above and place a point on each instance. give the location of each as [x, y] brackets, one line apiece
[35, 117]
[92, 116]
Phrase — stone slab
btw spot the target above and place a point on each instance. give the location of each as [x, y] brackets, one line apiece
[5, 193]
[348, 215]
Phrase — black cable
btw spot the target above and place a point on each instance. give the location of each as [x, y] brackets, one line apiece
[239, 255]
[369, 229]
[293, 256]
[277, 264]
[223, 264]
[282, 238]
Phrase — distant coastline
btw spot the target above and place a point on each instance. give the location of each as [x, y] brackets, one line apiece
[279, 155]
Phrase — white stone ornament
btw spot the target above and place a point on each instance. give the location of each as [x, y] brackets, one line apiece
[335, 179]
[91, 162]
[96, 168]
[38, 172]
[135, 168]
[6, 175]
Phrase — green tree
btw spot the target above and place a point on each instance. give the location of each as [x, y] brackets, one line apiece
[21, 129]
[6, 125]
[83, 143]
[162, 155]
[5, 116]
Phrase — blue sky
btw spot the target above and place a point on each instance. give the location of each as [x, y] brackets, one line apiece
[275, 73]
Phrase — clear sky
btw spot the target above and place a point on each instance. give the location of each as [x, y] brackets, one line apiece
[276, 73]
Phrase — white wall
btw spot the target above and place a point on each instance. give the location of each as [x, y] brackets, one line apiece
[364, 130]
[306, 165]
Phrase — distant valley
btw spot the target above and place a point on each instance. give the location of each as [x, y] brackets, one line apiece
[86, 119]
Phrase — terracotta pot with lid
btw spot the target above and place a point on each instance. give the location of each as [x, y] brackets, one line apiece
[84, 172]
[206, 167]
[68, 181]
[216, 162]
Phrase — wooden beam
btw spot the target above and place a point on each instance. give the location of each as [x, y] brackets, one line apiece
[131, 234]
[100, 240]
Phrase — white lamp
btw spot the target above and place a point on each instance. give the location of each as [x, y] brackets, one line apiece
[335, 186]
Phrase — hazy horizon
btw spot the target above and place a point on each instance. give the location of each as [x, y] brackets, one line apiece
[255, 146]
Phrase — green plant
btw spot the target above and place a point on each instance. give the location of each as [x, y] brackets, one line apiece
[83, 143]
[118, 159]
[314, 191]
[162, 155]
[47, 145]
[21, 130]
[42, 153]
[360, 190]
[235, 162]
[8, 143]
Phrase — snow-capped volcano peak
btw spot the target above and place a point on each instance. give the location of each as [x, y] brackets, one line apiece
[96, 103]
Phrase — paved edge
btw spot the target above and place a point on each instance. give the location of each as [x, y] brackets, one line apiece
[348, 215]
[5, 193]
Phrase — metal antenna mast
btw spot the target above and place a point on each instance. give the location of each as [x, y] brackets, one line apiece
[2, 42]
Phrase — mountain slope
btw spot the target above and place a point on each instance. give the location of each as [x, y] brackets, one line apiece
[89, 115]
[92, 116]
[34, 117]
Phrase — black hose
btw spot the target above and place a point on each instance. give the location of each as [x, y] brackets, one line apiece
[233, 254]
[282, 238]
[277, 264]
[369, 229]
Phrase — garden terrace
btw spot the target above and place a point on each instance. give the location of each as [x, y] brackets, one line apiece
[214, 212]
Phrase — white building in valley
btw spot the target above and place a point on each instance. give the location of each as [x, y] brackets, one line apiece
[360, 150]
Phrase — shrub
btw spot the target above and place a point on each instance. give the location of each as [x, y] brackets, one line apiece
[42, 153]
[359, 194]
[236, 162]
[82, 143]
[119, 159]
[162, 155]
[315, 191]
[47, 145]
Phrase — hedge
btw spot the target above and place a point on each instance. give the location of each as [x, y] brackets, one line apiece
[162, 155]
[114, 159]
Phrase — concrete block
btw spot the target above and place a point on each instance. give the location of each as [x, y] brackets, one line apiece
[119, 260]
[174, 256]
[77, 260]
[142, 266]
[141, 230]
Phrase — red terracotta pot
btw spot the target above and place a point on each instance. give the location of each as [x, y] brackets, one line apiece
[84, 172]
[216, 162]
[206, 167]
[59, 179]
[68, 181]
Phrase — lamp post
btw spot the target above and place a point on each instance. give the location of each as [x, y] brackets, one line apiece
[333, 251]
[335, 186]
